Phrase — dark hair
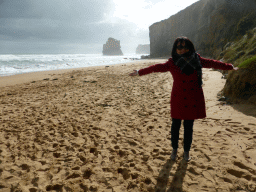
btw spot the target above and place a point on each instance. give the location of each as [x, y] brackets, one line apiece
[188, 43]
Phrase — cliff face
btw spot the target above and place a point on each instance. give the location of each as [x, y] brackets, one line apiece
[143, 49]
[112, 47]
[209, 24]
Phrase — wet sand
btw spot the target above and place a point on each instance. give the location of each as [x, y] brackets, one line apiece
[99, 129]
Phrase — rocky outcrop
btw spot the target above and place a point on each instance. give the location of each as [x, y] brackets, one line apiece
[241, 84]
[143, 49]
[209, 24]
[112, 47]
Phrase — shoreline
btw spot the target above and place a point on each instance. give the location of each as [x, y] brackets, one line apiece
[10, 80]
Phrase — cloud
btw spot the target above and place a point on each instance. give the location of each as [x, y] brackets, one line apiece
[35, 23]
[37, 17]
[92, 10]
[79, 26]
[55, 26]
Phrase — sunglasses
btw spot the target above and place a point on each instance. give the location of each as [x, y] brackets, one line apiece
[180, 47]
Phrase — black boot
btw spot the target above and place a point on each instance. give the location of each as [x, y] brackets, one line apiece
[174, 154]
[186, 156]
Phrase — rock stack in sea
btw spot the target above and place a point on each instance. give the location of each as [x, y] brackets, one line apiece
[143, 49]
[112, 47]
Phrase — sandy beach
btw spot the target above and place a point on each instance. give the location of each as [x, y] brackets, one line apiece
[99, 129]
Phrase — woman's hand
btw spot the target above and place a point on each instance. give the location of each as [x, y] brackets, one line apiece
[134, 73]
[236, 68]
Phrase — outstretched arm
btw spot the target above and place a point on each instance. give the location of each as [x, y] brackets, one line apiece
[151, 69]
[210, 63]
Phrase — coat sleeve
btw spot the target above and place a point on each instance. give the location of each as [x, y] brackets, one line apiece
[210, 63]
[155, 68]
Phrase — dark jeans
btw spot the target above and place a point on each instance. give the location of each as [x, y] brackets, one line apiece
[188, 133]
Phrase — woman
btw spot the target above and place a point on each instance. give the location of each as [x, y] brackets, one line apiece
[187, 98]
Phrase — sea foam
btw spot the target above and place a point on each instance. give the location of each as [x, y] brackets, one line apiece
[18, 64]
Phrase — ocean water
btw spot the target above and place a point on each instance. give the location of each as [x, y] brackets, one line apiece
[18, 64]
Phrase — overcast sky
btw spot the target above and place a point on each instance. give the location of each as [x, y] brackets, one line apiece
[79, 26]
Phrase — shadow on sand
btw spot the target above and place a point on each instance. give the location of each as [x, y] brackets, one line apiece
[177, 181]
[245, 108]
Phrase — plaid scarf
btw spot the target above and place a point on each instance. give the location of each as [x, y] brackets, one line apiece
[189, 64]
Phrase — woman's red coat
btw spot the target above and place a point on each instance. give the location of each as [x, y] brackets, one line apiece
[187, 98]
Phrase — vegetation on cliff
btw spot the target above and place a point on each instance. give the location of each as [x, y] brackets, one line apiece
[241, 84]
[240, 50]
[249, 63]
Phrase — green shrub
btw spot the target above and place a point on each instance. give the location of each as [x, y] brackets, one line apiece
[248, 62]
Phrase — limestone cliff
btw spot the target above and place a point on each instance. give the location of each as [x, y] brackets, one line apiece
[209, 24]
[112, 47]
[143, 49]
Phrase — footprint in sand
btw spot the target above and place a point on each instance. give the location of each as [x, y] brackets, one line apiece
[125, 172]
[244, 167]
[202, 154]
[240, 170]
[235, 172]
